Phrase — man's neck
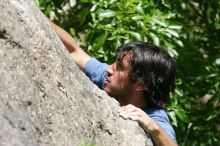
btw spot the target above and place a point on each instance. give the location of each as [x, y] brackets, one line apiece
[137, 101]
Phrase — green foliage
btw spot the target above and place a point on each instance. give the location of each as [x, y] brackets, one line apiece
[189, 30]
[84, 143]
[200, 71]
[116, 22]
[104, 25]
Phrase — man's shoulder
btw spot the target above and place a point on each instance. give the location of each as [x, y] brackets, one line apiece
[156, 112]
[159, 115]
[96, 71]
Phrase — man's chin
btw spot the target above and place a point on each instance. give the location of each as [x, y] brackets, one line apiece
[107, 90]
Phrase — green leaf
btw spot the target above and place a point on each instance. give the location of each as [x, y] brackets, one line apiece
[212, 116]
[72, 3]
[72, 31]
[175, 27]
[37, 2]
[139, 9]
[155, 39]
[136, 35]
[107, 27]
[217, 61]
[172, 52]
[159, 22]
[107, 14]
[181, 114]
[100, 40]
[111, 38]
[137, 17]
[179, 82]
[179, 43]
[179, 92]
[83, 14]
[172, 32]
[173, 117]
[93, 8]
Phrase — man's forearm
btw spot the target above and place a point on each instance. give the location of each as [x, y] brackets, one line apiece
[79, 56]
[68, 41]
[160, 138]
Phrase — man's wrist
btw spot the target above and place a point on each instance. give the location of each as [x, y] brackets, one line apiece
[154, 130]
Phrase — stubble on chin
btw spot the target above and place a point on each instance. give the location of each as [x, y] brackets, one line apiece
[107, 90]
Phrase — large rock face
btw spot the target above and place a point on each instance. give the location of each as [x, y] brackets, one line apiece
[45, 98]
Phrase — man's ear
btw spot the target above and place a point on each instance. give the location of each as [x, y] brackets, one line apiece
[140, 87]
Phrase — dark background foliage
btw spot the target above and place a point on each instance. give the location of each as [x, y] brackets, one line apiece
[188, 29]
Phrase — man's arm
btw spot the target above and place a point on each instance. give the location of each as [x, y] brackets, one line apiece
[158, 135]
[78, 55]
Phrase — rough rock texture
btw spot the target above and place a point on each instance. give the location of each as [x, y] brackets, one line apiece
[45, 98]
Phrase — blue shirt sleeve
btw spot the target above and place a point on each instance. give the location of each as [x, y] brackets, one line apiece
[96, 71]
[159, 115]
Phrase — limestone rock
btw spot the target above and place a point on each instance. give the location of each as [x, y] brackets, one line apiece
[45, 98]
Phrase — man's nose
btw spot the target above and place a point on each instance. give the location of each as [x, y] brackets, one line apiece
[110, 69]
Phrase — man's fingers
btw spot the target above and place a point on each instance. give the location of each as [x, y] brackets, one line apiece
[129, 114]
[129, 108]
[132, 112]
[136, 116]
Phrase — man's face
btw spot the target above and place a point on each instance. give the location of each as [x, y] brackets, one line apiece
[118, 83]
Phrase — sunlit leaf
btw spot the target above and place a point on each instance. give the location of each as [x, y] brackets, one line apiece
[111, 38]
[137, 17]
[172, 32]
[72, 3]
[108, 27]
[172, 52]
[136, 35]
[179, 43]
[107, 14]
[175, 27]
[72, 31]
[180, 113]
[179, 92]
[211, 117]
[155, 39]
[173, 117]
[217, 61]
[93, 8]
[159, 22]
[139, 9]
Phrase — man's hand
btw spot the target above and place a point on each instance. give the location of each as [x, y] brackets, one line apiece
[160, 138]
[133, 113]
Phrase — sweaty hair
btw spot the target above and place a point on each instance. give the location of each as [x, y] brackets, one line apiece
[152, 67]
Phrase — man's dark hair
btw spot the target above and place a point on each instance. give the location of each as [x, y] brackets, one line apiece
[153, 67]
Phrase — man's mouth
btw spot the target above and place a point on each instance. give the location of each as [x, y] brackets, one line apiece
[107, 79]
[106, 82]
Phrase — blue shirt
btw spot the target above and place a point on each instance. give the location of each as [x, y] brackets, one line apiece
[96, 71]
